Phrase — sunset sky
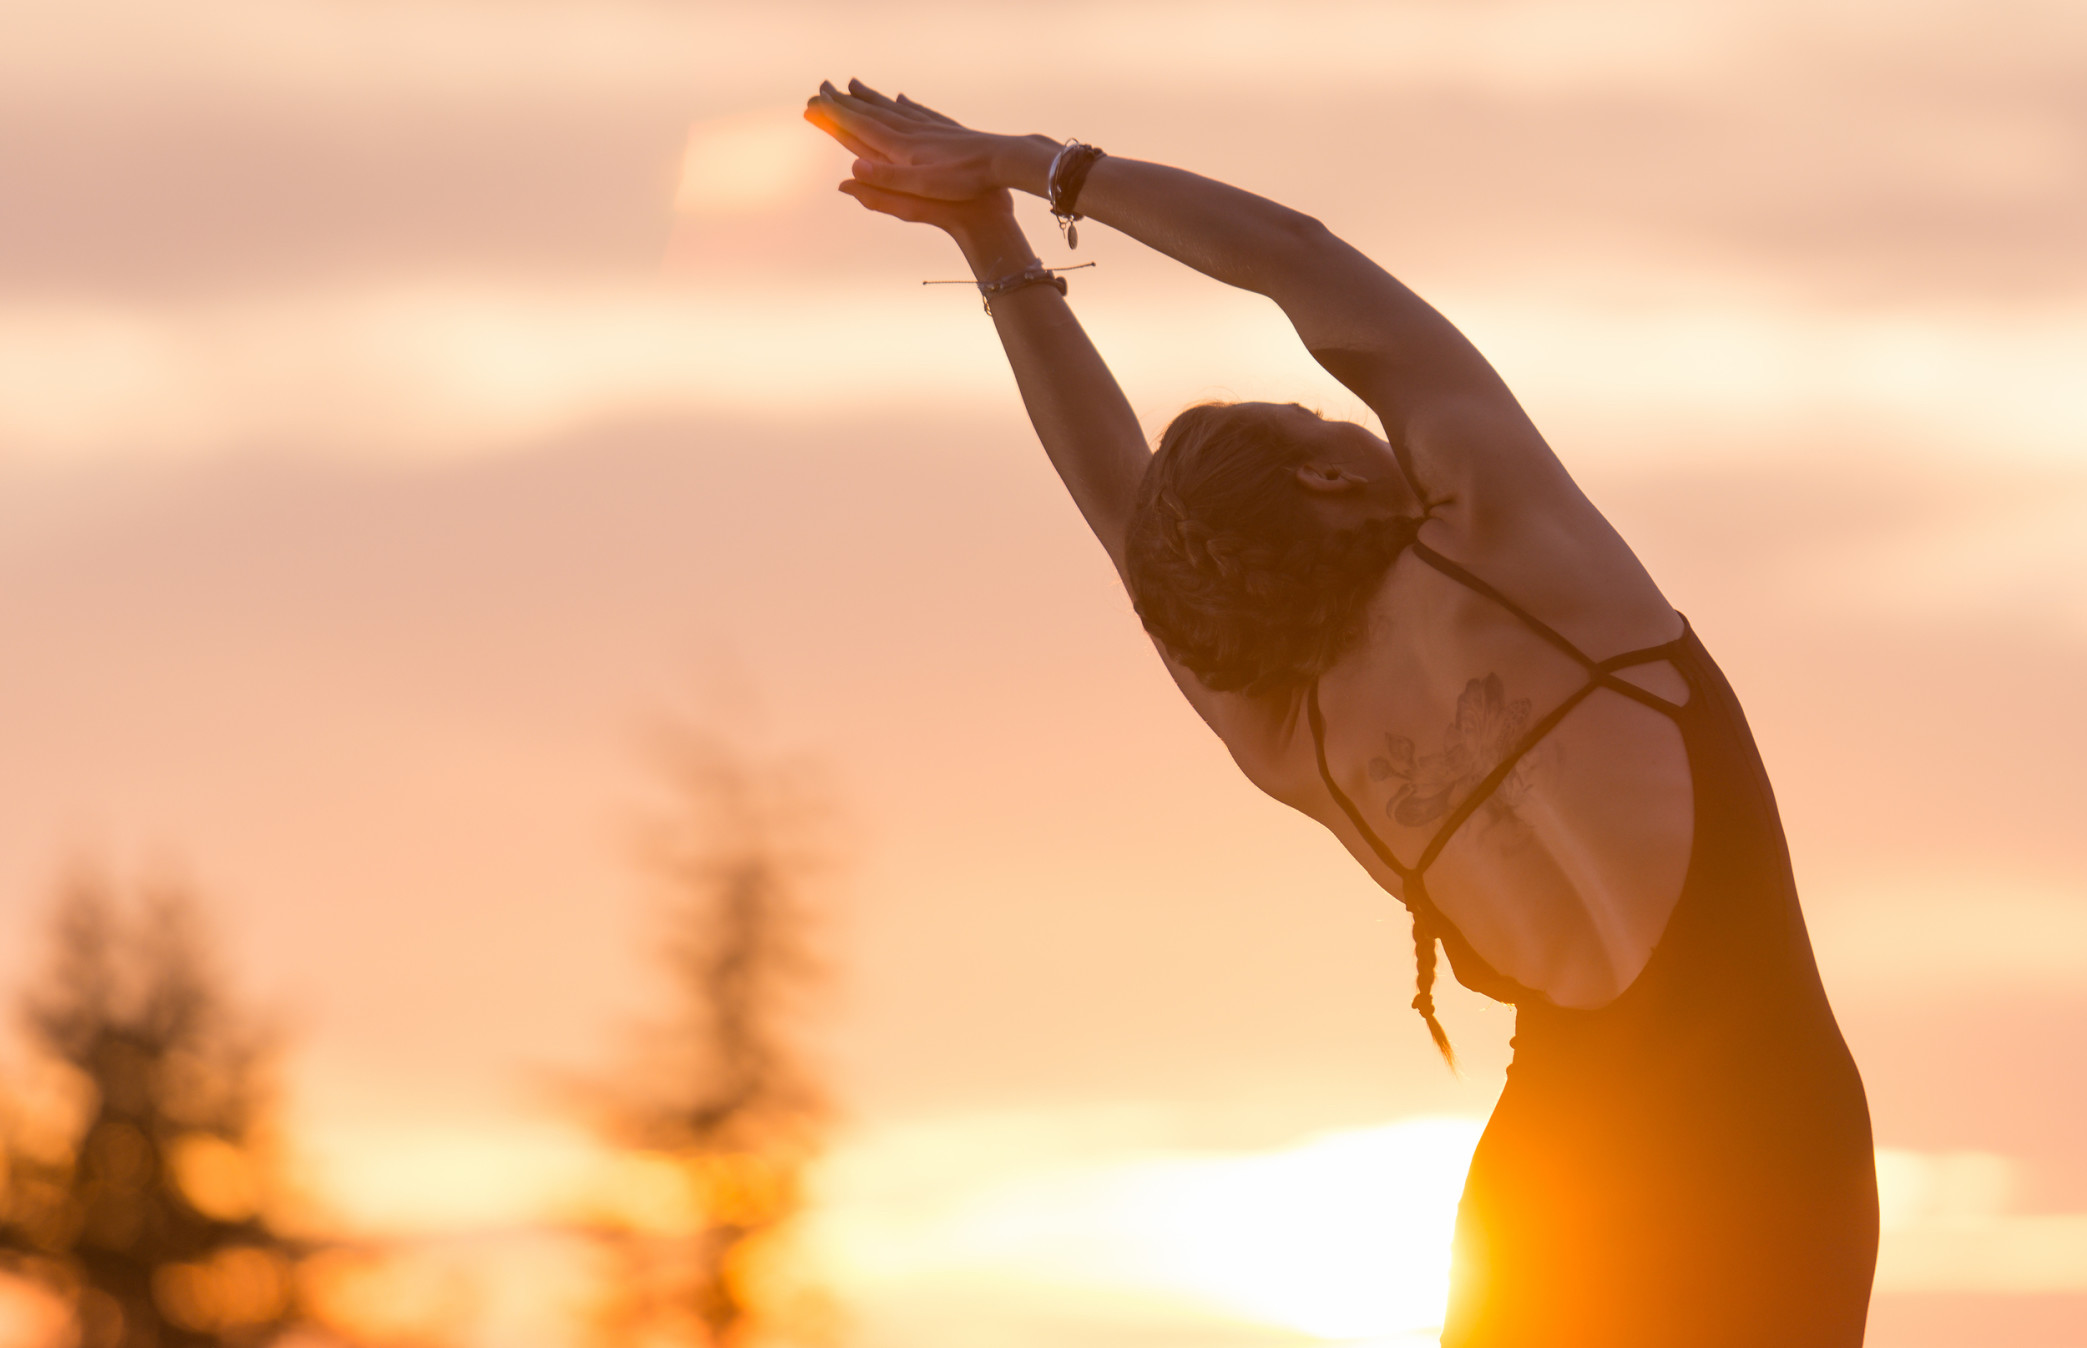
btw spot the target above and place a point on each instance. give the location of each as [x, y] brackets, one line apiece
[406, 408]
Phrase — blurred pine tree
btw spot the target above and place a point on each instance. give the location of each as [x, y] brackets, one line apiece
[720, 1115]
[138, 1183]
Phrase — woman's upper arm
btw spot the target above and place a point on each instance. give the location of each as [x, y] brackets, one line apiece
[1259, 732]
[1452, 419]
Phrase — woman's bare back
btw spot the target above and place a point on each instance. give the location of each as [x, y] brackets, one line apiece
[1563, 875]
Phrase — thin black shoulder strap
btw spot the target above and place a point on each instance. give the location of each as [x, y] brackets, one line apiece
[1603, 670]
[1470, 580]
[1601, 674]
[1340, 797]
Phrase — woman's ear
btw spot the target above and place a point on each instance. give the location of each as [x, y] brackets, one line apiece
[1329, 479]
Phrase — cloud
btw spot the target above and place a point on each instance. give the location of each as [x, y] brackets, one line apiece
[1931, 936]
[440, 369]
[1947, 1228]
[2022, 1254]
[1860, 156]
[315, 49]
[309, 48]
[2022, 555]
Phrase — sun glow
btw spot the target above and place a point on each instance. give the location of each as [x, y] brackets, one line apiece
[753, 162]
[1344, 1236]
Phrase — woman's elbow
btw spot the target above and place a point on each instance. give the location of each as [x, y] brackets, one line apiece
[1306, 258]
[1306, 234]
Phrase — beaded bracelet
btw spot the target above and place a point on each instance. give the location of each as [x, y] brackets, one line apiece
[1035, 274]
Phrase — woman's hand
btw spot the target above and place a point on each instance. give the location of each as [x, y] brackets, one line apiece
[914, 163]
[964, 221]
[968, 204]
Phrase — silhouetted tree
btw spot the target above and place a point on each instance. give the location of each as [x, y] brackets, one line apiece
[721, 1115]
[136, 1184]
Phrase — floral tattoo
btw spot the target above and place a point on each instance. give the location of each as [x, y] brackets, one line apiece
[1485, 732]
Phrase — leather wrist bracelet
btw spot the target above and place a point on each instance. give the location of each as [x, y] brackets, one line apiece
[1069, 170]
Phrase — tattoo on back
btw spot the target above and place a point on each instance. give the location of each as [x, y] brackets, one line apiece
[1485, 732]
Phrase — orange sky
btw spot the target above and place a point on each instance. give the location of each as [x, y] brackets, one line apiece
[402, 407]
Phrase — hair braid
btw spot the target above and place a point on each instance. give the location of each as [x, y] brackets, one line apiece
[1424, 980]
[1236, 577]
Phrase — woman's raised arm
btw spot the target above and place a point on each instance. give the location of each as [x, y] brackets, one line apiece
[1080, 414]
[1441, 403]
[1087, 427]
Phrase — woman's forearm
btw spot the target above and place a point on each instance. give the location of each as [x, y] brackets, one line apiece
[1080, 414]
[993, 248]
[1222, 231]
[1374, 334]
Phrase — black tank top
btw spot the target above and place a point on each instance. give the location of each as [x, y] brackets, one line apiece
[1690, 1164]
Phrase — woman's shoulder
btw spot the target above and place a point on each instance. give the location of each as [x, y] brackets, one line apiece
[1550, 553]
[1551, 556]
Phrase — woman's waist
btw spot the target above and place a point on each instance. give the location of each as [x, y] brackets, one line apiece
[1778, 1035]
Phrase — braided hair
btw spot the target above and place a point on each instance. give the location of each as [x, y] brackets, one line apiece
[1239, 580]
[1230, 569]
[1424, 938]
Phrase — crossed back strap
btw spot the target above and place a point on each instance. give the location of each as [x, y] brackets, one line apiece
[1427, 921]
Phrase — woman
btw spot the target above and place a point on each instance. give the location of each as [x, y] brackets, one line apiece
[1435, 646]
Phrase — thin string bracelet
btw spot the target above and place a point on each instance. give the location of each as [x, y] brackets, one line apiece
[1035, 274]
